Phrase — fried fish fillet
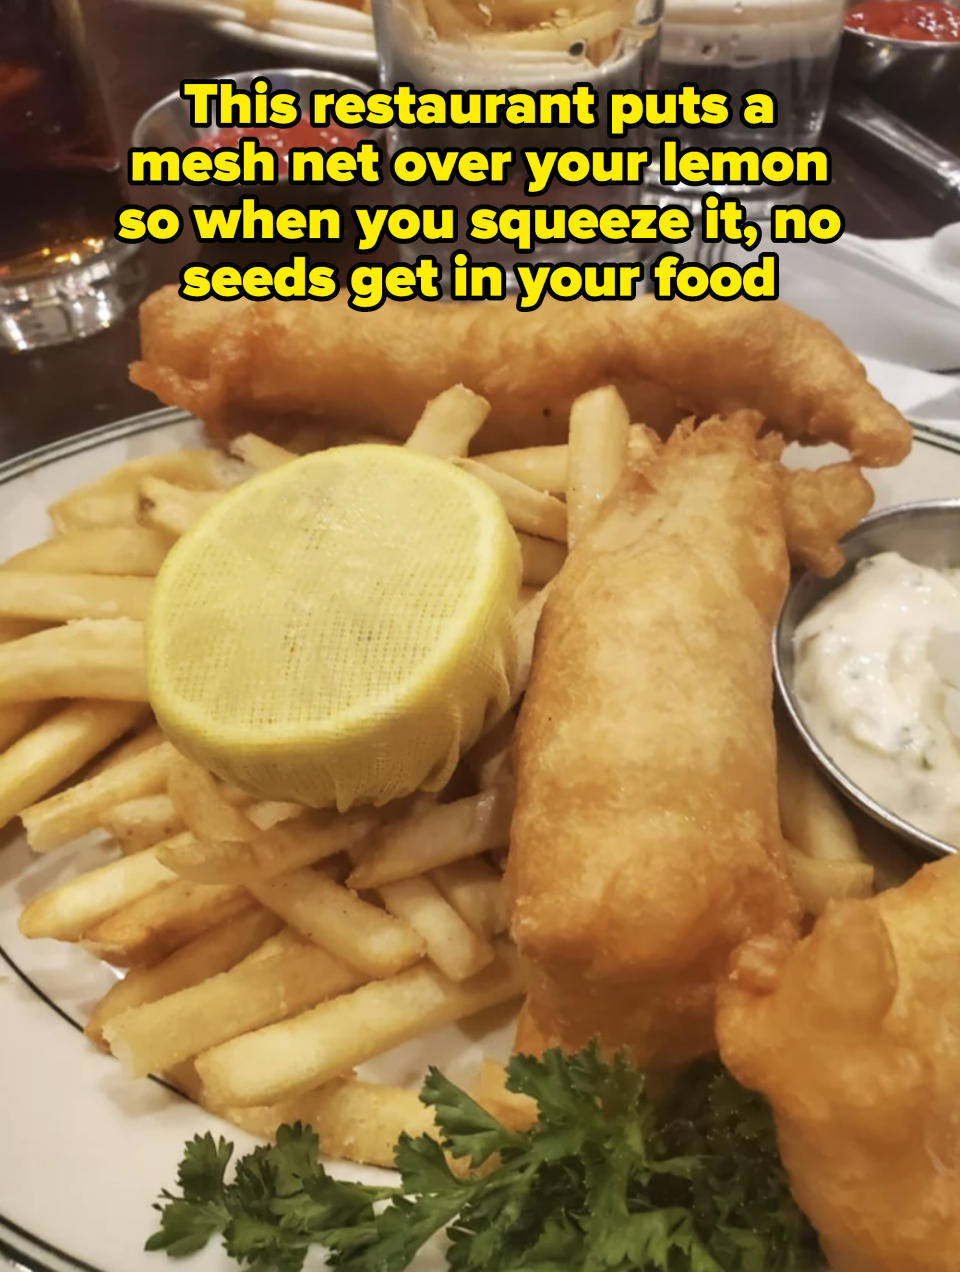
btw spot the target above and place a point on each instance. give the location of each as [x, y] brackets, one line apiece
[854, 1037]
[646, 841]
[277, 367]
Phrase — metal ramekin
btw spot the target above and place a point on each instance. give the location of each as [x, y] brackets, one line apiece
[927, 533]
[901, 73]
[167, 122]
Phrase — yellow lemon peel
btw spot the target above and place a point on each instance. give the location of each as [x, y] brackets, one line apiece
[338, 631]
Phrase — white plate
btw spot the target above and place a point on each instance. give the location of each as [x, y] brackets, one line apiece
[307, 32]
[84, 1150]
[325, 45]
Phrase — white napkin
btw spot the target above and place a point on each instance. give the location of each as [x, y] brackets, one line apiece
[932, 400]
[875, 305]
[879, 303]
[932, 263]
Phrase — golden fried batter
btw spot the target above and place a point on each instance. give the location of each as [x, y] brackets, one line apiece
[854, 1037]
[646, 841]
[273, 365]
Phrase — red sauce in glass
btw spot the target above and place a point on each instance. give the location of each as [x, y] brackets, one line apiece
[282, 140]
[907, 19]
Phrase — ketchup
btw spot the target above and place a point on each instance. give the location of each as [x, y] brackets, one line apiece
[282, 140]
[907, 19]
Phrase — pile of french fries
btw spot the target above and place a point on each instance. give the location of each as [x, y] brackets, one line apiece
[269, 949]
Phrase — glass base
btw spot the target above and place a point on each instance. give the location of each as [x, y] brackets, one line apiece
[71, 300]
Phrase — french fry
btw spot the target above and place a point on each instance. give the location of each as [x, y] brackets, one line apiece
[58, 598]
[56, 748]
[547, 467]
[811, 815]
[527, 509]
[281, 942]
[140, 823]
[267, 813]
[107, 550]
[892, 864]
[335, 918]
[112, 499]
[93, 511]
[208, 954]
[516, 1112]
[68, 911]
[817, 881]
[542, 467]
[77, 810]
[542, 559]
[93, 658]
[324, 1042]
[154, 925]
[198, 798]
[289, 845]
[356, 1121]
[436, 836]
[451, 19]
[525, 624]
[453, 946]
[171, 509]
[138, 742]
[644, 444]
[16, 628]
[18, 718]
[599, 442]
[449, 423]
[490, 759]
[475, 890]
[596, 32]
[259, 453]
[151, 1038]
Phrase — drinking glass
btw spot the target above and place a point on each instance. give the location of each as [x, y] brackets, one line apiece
[519, 45]
[784, 47]
[62, 275]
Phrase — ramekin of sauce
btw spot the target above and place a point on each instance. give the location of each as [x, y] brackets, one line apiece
[904, 53]
[877, 679]
[167, 123]
[283, 140]
[924, 20]
[868, 667]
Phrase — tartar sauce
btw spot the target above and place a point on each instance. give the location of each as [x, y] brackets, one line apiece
[878, 681]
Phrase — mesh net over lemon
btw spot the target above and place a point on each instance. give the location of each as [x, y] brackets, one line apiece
[338, 631]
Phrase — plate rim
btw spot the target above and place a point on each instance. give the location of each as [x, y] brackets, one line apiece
[20, 1248]
[24, 462]
[273, 41]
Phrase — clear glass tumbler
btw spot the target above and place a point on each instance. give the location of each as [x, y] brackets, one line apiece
[62, 274]
[784, 47]
[519, 45]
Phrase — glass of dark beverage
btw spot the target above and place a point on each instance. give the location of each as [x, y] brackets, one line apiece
[62, 274]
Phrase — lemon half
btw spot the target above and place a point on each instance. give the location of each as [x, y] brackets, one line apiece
[339, 630]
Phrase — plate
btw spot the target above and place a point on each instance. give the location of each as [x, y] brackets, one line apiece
[304, 32]
[325, 45]
[85, 1150]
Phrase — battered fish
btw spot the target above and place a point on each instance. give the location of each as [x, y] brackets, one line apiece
[276, 367]
[646, 840]
[854, 1037]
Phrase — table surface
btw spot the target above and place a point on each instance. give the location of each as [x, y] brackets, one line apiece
[141, 53]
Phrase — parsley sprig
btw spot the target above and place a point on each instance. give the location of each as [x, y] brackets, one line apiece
[611, 1179]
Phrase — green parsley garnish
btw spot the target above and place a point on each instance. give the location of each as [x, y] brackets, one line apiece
[611, 1179]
